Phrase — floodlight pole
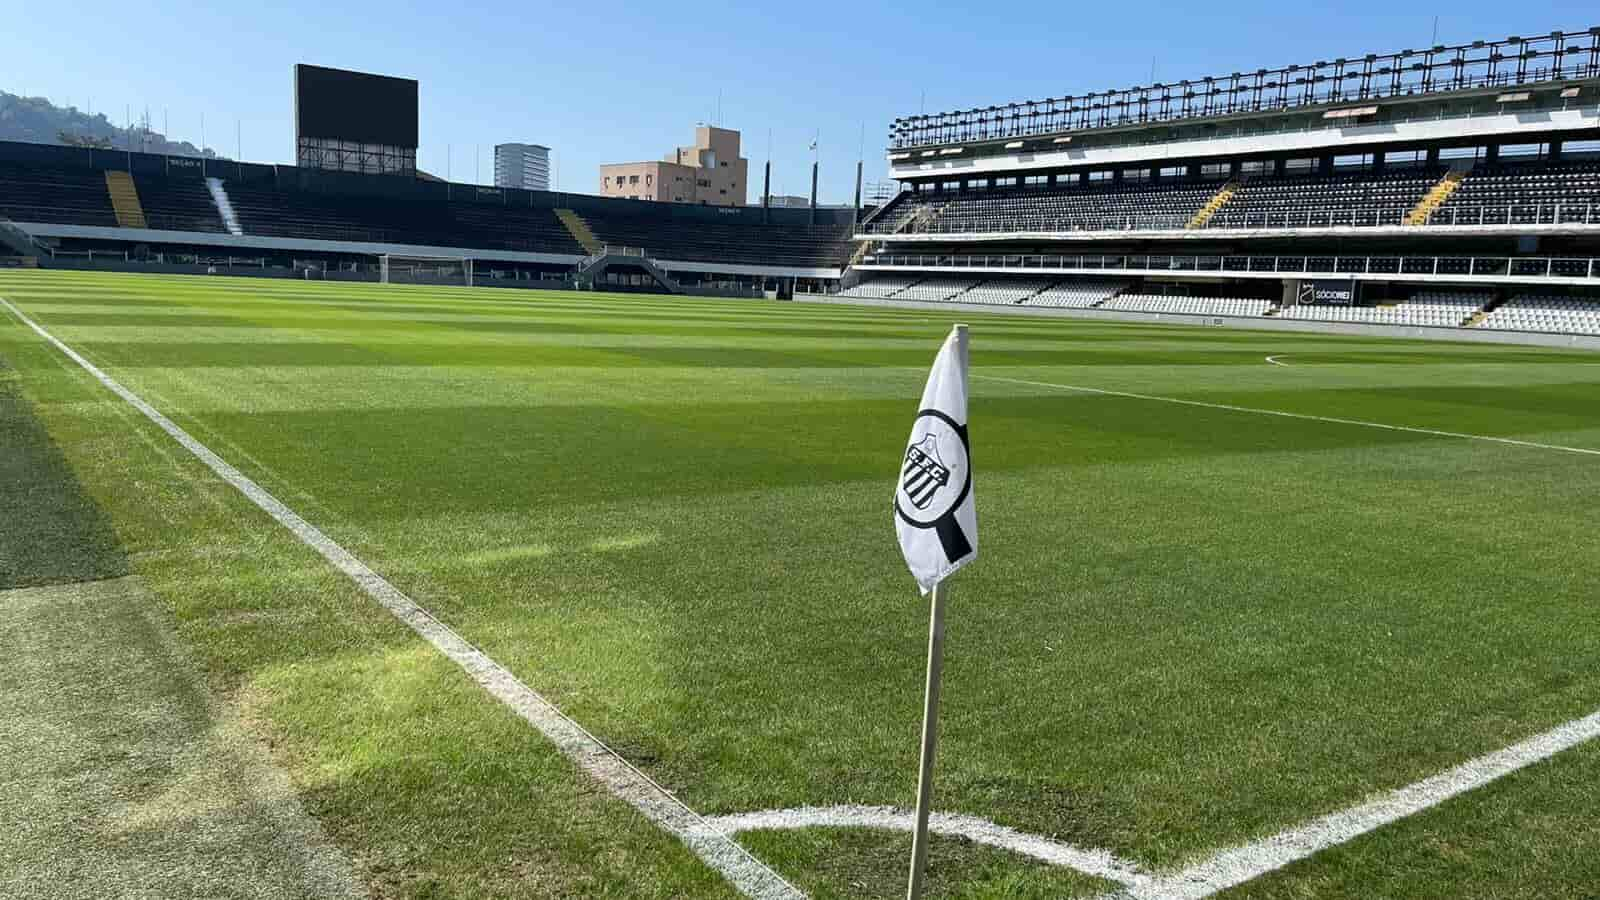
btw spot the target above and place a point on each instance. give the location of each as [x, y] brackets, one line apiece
[930, 741]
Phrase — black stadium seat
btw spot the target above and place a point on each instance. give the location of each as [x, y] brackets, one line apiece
[1528, 194]
[32, 193]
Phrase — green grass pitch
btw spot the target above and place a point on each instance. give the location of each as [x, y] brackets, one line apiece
[1187, 628]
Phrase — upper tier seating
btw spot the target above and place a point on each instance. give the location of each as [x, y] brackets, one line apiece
[1519, 195]
[403, 220]
[1078, 294]
[1088, 207]
[178, 204]
[1565, 315]
[1195, 306]
[1435, 309]
[663, 237]
[55, 196]
[1312, 201]
[1525, 195]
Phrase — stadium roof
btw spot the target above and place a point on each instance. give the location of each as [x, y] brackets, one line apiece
[1509, 62]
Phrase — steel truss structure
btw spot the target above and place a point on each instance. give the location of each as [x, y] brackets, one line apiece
[350, 156]
[1511, 62]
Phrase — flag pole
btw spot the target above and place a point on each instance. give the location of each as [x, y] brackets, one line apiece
[930, 740]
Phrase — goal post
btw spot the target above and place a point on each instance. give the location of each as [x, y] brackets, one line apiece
[395, 268]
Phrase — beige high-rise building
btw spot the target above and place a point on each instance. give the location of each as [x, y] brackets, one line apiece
[710, 173]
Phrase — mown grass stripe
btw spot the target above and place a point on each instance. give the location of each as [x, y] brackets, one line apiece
[1334, 420]
[742, 869]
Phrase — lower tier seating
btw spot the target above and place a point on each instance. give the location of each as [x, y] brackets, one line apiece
[663, 237]
[1005, 291]
[1078, 294]
[937, 290]
[1197, 306]
[1436, 309]
[879, 288]
[1532, 312]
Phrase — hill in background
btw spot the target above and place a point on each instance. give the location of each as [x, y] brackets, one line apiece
[38, 121]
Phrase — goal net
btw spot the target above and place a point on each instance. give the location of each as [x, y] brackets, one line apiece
[455, 270]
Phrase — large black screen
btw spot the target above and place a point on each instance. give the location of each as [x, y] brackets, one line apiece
[355, 106]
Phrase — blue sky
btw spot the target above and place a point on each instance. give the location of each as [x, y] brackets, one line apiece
[625, 81]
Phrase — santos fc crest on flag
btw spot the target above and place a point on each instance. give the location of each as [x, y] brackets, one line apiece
[934, 514]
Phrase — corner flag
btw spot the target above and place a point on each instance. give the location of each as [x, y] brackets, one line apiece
[937, 523]
[934, 513]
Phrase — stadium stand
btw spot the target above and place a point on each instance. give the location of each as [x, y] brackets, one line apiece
[1091, 207]
[1433, 309]
[1005, 291]
[938, 290]
[1360, 199]
[1527, 194]
[1312, 201]
[1533, 312]
[1192, 306]
[662, 237]
[1079, 294]
[879, 287]
[178, 204]
[399, 219]
[59, 196]
[1532, 194]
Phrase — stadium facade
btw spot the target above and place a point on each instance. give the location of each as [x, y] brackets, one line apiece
[1448, 187]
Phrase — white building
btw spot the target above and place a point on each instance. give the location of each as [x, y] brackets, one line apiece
[525, 166]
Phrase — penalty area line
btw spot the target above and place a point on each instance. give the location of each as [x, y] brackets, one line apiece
[1334, 420]
[742, 869]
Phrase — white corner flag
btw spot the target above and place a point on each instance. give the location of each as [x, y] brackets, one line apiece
[937, 522]
[934, 512]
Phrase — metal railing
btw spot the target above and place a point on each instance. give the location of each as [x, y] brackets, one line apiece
[1314, 264]
[1248, 128]
[1511, 215]
[1359, 79]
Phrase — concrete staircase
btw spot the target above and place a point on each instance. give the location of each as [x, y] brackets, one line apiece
[580, 231]
[1218, 201]
[924, 219]
[1436, 195]
[125, 199]
[18, 242]
[225, 211]
[587, 275]
[1480, 315]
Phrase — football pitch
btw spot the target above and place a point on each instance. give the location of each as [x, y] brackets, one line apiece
[1216, 598]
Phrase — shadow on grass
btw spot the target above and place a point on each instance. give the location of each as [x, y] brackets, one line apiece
[50, 531]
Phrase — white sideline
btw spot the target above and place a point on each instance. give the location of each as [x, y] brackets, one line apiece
[1098, 863]
[751, 876]
[1291, 415]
